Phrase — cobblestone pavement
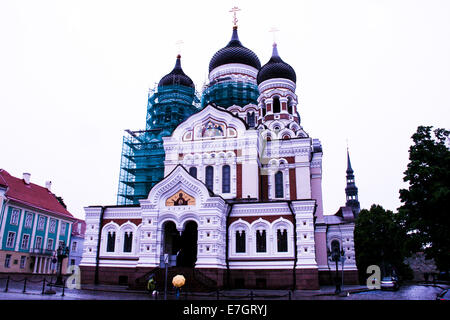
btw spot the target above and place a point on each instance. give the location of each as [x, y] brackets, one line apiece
[34, 289]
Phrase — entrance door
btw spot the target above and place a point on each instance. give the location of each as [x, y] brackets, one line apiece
[171, 243]
[187, 256]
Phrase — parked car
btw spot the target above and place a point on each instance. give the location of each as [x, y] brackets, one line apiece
[444, 295]
[390, 283]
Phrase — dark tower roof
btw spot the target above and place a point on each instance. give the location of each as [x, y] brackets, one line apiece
[176, 76]
[349, 164]
[234, 52]
[351, 190]
[276, 68]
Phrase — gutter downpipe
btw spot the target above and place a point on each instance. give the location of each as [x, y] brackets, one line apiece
[294, 275]
[227, 245]
[97, 258]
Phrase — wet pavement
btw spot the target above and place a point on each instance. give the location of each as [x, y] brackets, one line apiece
[34, 290]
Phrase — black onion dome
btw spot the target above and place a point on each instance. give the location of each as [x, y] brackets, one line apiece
[276, 68]
[176, 76]
[234, 52]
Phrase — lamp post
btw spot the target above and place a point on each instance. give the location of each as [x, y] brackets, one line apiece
[336, 253]
[61, 253]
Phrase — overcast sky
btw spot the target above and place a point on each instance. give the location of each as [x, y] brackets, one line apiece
[75, 74]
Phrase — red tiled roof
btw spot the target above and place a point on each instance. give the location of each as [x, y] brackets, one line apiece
[32, 194]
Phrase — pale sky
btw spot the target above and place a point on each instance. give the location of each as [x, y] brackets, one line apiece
[75, 74]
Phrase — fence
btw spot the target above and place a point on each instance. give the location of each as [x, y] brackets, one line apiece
[11, 284]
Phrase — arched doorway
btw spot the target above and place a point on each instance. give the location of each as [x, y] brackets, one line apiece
[187, 256]
[182, 249]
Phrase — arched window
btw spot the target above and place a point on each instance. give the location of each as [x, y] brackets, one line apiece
[111, 242]
[209, 177]
[251, 119]
[240, 241]
[226, 179]
[128, 241]
[261, 241]
[276, 105]
[264, 108]
[282, 240]
[289, 104]
[279, 185]
[193, 171]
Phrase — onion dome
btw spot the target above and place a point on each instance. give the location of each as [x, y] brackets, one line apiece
[234, 52]
[176, 76]
[276, 68]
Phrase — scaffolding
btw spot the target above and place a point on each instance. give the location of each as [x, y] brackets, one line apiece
[142, 160]
[226, 92]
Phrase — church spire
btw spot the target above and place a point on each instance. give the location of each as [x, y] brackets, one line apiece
[351, 191]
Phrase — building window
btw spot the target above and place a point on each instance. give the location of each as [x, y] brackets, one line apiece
[74, 246]
[41, 223]
[25, 241]
[38, 243]
[209, 177]
[193, 172]
[50, 244]
[226, 179]
[282, 240]
[14, 217]
[61, 244]
[289, 104]
[276, 105]
[7, 261]
[110, 245]
[52, 225]
[63, 228]
[128, 241]
[251, 119]
[279, 185]
[11, 239]
[261, 241]
[240, 241]
[23, 260]
[264, 111]
[28, 220]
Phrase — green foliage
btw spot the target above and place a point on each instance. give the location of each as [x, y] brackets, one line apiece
[378, 241]
[424, 214]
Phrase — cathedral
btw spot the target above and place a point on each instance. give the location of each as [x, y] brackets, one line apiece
[225, 188]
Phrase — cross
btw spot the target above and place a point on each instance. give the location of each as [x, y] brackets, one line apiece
[274, 31]
[179, 43]
[234, 10]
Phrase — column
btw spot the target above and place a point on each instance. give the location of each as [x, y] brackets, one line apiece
[45, 266]
[35, 264]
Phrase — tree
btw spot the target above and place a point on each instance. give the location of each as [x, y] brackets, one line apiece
[425, 211]
[378, 241]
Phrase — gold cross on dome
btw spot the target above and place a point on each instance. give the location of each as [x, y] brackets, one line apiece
[179, 43]
[274, 31]
[234, 10]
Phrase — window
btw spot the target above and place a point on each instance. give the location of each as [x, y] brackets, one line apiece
[251, 119]
[193, 171]
[14, 217]
[52, 225]
[61, 244]
[279, 185]
[63, 228]
[226, 179]
[28, 220]
[240, 241]
[289, 103]
[23, 260]
[25, 241]
[10, 240]
[50, 244]
[110, 245]
[261, 241]
[209, 177]
[74, 246]
[128, 242]
[38, 243]
[264, 109]
[282, 240]
[7, 261]
[72, 262]
[41, 223]
[276, 105]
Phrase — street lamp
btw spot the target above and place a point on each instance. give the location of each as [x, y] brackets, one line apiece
[336, 253]
[61, 253]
